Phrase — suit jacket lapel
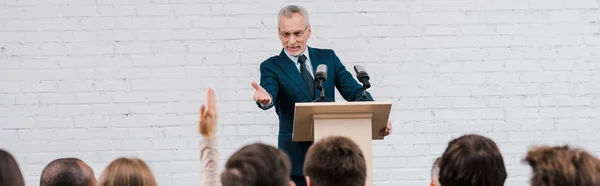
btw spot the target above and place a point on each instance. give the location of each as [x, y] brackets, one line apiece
[291, 70]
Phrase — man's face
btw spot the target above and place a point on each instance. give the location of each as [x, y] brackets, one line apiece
[293, 33]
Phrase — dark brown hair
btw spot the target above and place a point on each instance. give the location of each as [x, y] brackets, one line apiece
[127, 172]
[257, 164]
[67, 172]
[472, 160]
[563, 166]
[10, 173]
[335, 161]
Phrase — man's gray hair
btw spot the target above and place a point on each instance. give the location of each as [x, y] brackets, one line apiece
[289, 10]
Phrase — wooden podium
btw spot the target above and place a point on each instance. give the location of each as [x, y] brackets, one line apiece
[359, 121]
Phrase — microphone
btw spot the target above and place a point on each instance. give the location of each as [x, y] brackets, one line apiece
[362, 76]
[321, 76]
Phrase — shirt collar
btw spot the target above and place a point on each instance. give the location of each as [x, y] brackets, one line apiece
[295, 58]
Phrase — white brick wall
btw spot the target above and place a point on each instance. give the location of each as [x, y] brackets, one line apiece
[99, 79]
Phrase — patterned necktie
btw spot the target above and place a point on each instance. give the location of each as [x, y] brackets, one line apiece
[308, 79]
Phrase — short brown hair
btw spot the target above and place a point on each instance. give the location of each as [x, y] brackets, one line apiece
[67, 172]
[563, 166]
[335, 160]
[472, 160]
[10, 173]
[256, 165]
[127, 171]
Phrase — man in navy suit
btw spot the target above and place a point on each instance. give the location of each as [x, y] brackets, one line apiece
[289, 78]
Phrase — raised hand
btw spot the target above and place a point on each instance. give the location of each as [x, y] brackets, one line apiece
[208, 116]
[261, 95]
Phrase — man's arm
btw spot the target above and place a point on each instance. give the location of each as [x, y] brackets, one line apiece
[349, 88]
[268, 87]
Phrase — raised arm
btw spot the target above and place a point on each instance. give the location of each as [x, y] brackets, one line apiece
[209, 153]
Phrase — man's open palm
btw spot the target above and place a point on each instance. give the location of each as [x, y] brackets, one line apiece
[261, 95]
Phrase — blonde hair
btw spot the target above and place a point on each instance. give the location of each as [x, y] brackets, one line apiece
[127, 172]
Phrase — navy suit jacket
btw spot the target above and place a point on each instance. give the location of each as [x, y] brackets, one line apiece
[281, 78]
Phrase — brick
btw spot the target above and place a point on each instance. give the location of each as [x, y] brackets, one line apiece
[43, 11]
[12, 12]
[146, 133]
[131, 144]
[556, 4]
[23, 25]
[477, 29]
[79, 11]
[8, 63]
[16, 122]
[75, 86]
[154, 35]
[10, 87]
[125, 2]
[61, 24]
[57, 98]
[57, 124]
[390, 31]
[98, 23]
[116, 11]
[154, 10]
[36, 134]
[441, 42]
[446, 17]
[110, 109]
[12, 36]
[7, 100]
[469, 114]
[192, 9]
[40, 111]
[87, 98]
[530, 89]
[462, 90]
[587, 88]
[565, 101]
[116, 85]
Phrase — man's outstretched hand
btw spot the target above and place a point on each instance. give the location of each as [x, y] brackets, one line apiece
[261, 95]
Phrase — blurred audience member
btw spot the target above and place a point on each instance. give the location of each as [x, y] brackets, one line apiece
[67, 172]
[472, 160]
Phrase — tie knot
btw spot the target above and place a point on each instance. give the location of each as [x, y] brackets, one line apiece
[302, 59]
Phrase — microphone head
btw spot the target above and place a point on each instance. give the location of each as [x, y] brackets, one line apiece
[321, 72]
[359, 69]
[360, 72]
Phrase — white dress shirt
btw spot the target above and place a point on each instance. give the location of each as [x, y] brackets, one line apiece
[308, 63]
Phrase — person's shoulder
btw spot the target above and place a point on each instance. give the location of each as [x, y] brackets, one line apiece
[323, 50]
[269, 61]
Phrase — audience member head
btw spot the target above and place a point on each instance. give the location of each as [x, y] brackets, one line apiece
[10, 174]
[435, 173]
[127, 171]
[334, 161]
[257, 165]
[563, 166]
[67, 172]
[472, 160]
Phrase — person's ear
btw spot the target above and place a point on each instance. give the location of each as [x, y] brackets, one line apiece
[292, 183]
[307, 181]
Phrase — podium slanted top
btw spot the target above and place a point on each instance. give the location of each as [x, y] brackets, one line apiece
[378, 111]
